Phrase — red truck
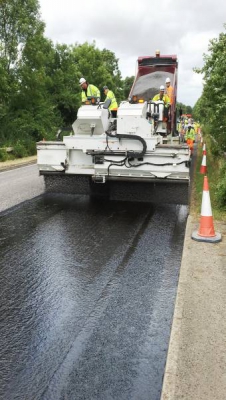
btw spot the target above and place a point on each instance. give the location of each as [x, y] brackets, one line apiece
[152, 72]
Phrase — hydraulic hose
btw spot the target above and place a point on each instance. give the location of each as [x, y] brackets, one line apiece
[127, 154]
[130, 153]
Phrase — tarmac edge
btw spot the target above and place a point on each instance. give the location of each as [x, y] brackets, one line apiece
[196, 360]
[169, 381]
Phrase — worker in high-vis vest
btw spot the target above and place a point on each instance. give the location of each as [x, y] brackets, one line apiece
[190, 137]
[169, 90]
[113, 105]
[88, 90]
[162, 96]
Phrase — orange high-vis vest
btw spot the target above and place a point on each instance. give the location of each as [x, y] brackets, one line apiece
[169, 92]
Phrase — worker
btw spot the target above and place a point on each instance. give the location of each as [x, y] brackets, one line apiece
[113, 105]
[169, 90]
[195, 125]
[88, 90]
[190, 137]
[182, 132]
[162, 96]
[166, 113]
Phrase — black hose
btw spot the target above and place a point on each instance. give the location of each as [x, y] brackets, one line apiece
[156, 165]
[130, 153]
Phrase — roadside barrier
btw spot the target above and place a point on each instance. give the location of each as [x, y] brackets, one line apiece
[203, 168]
[206, 232]
[7, 149]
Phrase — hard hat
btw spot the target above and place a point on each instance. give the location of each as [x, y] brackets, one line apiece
[189, 125]
[167, 80]
[162, 87]
[81, 81]
[105, 87]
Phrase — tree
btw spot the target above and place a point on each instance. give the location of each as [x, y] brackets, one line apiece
[19, 20]
[99, 67]
[65, 88]
[185, 109]
[212, 104]
[33, 105]
[39, 82]
[21, 69]
[127, 85]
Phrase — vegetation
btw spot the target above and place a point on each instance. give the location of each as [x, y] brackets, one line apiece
[185, 109]
[214, 171]
[39, 89]
[210, 109]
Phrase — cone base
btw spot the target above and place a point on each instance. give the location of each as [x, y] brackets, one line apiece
[203, 170]
[213, 239]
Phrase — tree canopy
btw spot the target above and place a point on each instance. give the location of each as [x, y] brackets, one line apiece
[39, 81]
[211, 107]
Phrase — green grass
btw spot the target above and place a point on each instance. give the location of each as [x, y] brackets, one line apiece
[213, 173]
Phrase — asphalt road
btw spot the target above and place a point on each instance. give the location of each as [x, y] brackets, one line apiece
[87, 293]
[18, 185]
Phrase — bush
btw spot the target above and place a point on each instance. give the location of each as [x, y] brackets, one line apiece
[215, 149]
[19, 150]
[31, 148]
[221, 187]
[3, 155]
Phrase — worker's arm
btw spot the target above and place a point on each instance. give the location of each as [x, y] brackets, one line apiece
[83, 96]
[155, 98]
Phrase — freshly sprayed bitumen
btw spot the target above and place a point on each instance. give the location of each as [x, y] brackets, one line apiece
[87, 293]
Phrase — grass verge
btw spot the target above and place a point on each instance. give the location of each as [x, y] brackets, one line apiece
[213, 174]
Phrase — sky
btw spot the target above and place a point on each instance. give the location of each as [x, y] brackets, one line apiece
[132, 28]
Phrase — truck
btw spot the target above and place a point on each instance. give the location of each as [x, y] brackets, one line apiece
[129, 158]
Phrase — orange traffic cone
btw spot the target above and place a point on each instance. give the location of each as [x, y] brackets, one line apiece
[206, 232]
[204, 148]
[203, 168]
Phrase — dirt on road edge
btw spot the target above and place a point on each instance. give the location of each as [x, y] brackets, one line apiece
[10, 164]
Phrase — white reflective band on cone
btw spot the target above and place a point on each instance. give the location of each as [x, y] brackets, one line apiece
[206, 205]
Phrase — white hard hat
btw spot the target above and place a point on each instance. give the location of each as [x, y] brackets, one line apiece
[81, 81]
[167, 80]
[162, 87]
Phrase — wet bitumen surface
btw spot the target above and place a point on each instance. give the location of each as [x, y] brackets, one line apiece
[87, 292]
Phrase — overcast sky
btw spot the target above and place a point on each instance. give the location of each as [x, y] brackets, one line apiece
[133, 28]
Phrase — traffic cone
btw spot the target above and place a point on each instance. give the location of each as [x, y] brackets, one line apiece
[206, 232]
[203, 168]
[201, 139]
